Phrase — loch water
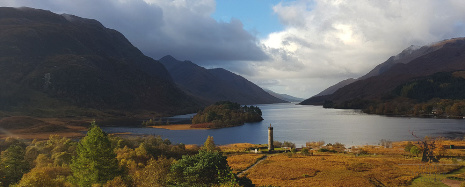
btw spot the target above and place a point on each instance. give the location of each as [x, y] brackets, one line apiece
[300, 124]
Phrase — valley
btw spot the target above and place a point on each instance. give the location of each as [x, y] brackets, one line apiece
[81, 105]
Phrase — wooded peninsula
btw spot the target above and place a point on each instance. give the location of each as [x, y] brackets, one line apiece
[226, 114]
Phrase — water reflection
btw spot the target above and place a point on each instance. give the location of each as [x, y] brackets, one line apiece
[300, 124]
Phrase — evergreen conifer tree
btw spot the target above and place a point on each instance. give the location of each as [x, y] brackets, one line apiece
[12, 165]
[95, 161]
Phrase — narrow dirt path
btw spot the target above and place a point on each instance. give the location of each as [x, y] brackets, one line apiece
[258, 161]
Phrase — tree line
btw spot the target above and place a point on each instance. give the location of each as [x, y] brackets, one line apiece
[100, 159]
[434, 107]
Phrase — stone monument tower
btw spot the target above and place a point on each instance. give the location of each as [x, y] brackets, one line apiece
[270, 138]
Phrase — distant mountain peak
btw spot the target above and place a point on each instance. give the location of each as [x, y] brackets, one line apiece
[168, 58]
[216, 84]
[408, 51]
[413, 47]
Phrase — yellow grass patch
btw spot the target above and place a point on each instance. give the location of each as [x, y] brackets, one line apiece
[42, 136]
[242, 161]
[24, 127]
[238, 147]
[341, 170]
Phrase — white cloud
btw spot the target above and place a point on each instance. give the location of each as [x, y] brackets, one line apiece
[326, 41]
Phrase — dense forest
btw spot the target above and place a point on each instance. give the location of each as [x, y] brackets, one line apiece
[99, 159]
[226, 114]
[440, 85]
[439, 95]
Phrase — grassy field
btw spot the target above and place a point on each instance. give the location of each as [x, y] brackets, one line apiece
[24, 127]
[241, 162]
[377, 166]
[435, 179]
[238, 148]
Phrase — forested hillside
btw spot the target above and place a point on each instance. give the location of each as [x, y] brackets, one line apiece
[441, 94]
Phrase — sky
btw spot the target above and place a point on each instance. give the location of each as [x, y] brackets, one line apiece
[296, 47]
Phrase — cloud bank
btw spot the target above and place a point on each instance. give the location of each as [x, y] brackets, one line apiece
[326, 41]
[182, 28]
[322, 43]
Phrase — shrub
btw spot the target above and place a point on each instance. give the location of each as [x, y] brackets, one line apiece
[408, 147]
[323, 150]
[204, 168]
[293, 151]
[338, 147]
[315, 145]
[155, 173]
[277, 144]
[362, 152]
[46, 176]
[305, 151]
[288, 144]
[415, 150]
[326, 150]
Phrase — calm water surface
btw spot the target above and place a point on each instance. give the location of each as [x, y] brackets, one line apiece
[300, 124]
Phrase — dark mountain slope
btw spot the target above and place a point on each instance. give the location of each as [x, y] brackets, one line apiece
[330, 90]
[76, 62]
[215, 85]
[449, 57]
[406, 56]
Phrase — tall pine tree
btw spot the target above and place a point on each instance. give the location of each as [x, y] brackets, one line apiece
[95, 161]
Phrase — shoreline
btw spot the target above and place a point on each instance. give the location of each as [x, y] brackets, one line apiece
[177, 127]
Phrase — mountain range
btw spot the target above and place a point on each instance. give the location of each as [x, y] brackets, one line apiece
[212, 85]
[55, 65]
[414, 63]
[64, 65]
